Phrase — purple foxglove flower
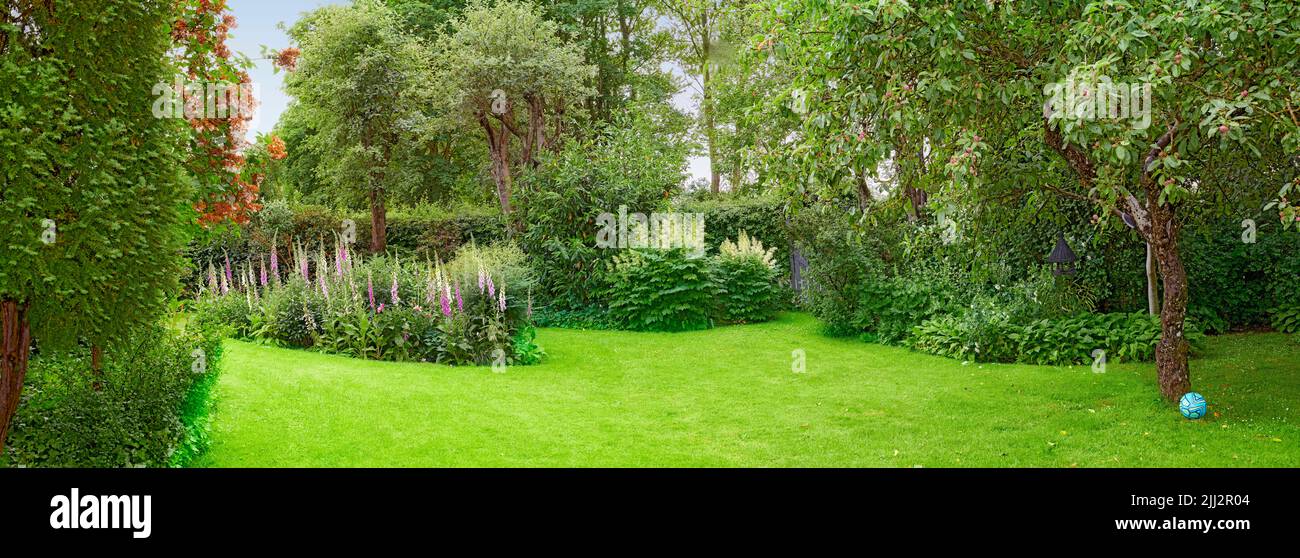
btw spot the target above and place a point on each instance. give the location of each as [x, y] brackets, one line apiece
[481, 280]
[324, 288]
[262, 265]
[370, 292]
[393, 290]
[275, 264]
[492, 289]
[501, 302]
[460, 302]
[381, 308]
[308, 319]
[338, 262]
[225, 285]
[229, 277]
[446, 304]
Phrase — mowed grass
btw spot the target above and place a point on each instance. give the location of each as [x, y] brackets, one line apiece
[728, 398]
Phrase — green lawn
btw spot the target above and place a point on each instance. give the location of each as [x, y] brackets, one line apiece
[728, 397]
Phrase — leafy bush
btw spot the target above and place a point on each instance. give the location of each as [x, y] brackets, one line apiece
[1208, 317]
[1240, 283]
[425, 232]
[232, 312]
[660, 290]
[149, 407]
[888, 308]
[1286, 319]
[840, 263]
[953, 337]
[1124, 337]
[1044, 295]
[635, 163]
[504, 261]
[1061, 341]
[745, 278]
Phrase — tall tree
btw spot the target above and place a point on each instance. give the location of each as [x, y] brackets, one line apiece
[427, 18]
[698, 26]
[92, 199]
[953, 94]
[226, 193]
[1218, 78]
[746, 132]
[622, 40]
[363, 82]
[505, 70]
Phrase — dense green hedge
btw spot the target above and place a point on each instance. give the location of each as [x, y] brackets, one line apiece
[435, 235]
[882, 279]
[150, 407]
[726, 216]
[1238, 284]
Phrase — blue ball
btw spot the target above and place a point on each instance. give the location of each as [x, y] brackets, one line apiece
[1192, 405]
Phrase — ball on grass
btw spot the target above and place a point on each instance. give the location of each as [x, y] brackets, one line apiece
[1192, 405]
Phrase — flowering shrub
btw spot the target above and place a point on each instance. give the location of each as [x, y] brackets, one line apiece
[745, 277]
[474, 310]
[660, 290]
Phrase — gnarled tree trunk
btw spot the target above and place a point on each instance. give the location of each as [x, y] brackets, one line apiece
[1171, 352]
[378, 221]
[15, 347]
[1158, 225]
[499, 148]
[1153, 305]
[918, 199]
[97, 366]
[864, 192]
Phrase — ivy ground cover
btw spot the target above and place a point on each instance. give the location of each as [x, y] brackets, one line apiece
[729, 397]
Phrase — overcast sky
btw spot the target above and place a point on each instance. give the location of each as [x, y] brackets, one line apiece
[259, 22]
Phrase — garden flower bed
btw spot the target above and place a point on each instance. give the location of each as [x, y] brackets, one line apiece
[477, 309]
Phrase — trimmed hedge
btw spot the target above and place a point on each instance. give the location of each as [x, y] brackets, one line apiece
[762, 218]
[434, 236]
